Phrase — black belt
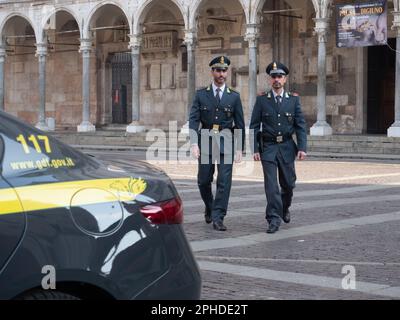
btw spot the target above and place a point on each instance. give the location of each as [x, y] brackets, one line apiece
[217, 128]
[276, 139]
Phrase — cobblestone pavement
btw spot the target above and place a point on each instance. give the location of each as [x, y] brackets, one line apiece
[345, 222]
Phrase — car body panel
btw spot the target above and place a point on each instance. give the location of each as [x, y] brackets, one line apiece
[83, 218]
[12, 226]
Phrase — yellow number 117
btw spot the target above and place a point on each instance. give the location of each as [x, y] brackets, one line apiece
[35, 143]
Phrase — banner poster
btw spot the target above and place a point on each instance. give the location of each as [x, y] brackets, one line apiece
[361, 24]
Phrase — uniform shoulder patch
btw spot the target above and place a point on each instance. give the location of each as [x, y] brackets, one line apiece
[233, 90]
[294, 94]
[204, 88]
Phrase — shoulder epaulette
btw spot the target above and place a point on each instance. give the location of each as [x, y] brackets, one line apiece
[229, 89]
[204, 88]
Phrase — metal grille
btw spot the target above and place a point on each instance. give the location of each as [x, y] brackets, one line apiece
[121, 69]
[121, 64]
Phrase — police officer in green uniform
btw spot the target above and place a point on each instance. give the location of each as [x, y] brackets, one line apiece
[276, 117]
[217, 134]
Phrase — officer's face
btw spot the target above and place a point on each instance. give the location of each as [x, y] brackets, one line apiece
[219, 75]
[277, 81]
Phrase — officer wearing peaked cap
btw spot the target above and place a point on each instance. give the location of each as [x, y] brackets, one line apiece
[220, 62]
[277, 68]
[276, 117]
[217, 133]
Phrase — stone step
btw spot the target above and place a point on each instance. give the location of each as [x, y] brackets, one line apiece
[114, 139]
[380, 145]
[114, 127]
[114, 133]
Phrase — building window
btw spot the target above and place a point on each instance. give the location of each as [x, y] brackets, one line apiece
[184, 59]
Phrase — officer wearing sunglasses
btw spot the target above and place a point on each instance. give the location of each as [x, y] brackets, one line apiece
[276, 117]
[217, 134]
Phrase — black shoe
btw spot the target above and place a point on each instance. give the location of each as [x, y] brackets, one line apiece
[272, 228]
[286, 216]
[219, 226]
[207, 216]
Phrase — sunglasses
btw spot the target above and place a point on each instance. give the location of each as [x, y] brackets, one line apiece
[220, 70]
[279, 76]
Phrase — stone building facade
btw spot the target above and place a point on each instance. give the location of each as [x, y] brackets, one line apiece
[88, 64]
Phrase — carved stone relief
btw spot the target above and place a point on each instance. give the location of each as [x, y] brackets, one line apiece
[160, 76]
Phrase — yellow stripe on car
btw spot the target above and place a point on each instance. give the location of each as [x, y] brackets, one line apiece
[9, 201]
[55, 195]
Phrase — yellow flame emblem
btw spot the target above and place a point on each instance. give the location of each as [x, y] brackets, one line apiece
[129, 190]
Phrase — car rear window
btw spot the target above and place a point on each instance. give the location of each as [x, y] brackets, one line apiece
[29, 152]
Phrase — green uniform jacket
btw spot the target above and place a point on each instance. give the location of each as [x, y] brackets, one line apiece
[284, 120]
[206, 112]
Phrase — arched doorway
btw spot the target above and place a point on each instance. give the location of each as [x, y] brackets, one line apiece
[381, 87]
[221, 29]
[121, 66]
[278, 27]
[163, 64]
[21, 98]
[110, 31]
[64, 84]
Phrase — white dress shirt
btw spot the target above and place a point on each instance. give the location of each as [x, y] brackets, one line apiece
[275, 95]
[215, 90]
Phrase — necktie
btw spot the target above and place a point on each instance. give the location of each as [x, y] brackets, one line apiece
[278, 100]
[217, 95]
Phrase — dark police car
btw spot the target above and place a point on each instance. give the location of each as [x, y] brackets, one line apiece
[72, 227]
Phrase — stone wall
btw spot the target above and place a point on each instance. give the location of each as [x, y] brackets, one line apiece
[163, 76]
[63, 87]
[341, 110]
[163, 80]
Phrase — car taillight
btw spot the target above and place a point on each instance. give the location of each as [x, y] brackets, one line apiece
[166, 212]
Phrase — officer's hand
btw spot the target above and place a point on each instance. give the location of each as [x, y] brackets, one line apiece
[301, 155]
[195, 151]
[257, 157]
[239, 156]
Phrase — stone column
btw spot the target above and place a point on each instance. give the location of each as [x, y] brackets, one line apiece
[135, 45]
[2, 70]
[190, 42]
[41, 53]
[252, 35]
[321, 127]
[85, 49]
[394, 130]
